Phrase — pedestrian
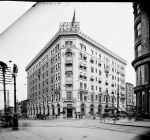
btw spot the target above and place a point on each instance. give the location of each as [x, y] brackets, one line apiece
[76, 114]
[79, 115]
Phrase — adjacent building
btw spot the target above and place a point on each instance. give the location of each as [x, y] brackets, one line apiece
[129, 97]
[73, 73]
[141, 63]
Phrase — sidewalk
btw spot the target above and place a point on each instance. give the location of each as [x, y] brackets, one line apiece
[127, 122]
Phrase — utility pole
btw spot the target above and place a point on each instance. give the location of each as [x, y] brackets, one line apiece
[3, 66]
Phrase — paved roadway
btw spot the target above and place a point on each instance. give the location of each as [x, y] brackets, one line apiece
[70, 129]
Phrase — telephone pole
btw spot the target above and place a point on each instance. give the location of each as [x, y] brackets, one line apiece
[3, 66]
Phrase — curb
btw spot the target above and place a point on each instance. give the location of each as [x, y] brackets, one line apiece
[129, 125]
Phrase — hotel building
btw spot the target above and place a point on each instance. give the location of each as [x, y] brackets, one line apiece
[74, 73]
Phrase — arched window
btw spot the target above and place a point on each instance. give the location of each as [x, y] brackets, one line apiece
[68, 54]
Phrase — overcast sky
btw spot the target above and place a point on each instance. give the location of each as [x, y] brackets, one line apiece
[110, 24]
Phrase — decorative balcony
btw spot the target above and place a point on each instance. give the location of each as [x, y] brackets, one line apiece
[72, 99]
[122, 97]
[68, 60]
[107, 69]
[122, 88]
[68, 68]
[85, 91]
[69, 88]
[69, 80]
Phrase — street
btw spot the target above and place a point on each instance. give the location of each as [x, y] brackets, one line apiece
[70, 129]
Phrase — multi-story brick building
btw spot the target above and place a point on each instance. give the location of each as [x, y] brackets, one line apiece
[129, 97]
[74, 73]
[141, 63]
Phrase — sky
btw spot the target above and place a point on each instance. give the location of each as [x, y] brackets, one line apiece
[24, 31]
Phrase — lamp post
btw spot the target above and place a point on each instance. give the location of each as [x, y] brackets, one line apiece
[141, 108]
[107, 99]
[15, 116]
[118, 101]
[100, 101]
[113, 108]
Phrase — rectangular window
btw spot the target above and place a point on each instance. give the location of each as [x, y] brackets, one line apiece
[138, 28]
[92, 51]
[138, 9]
[139, 50]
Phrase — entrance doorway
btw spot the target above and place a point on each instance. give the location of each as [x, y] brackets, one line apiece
[69, 110]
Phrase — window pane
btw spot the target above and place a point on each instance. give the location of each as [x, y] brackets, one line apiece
[139, 50]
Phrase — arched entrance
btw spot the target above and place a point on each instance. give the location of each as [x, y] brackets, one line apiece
[92, 109]
[69, 110]
[47, 109]
[83, 109]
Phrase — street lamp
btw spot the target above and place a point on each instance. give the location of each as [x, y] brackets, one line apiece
[15, 116]
[107, 95]
[118, 100]
[100, 101]
[141, 109]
